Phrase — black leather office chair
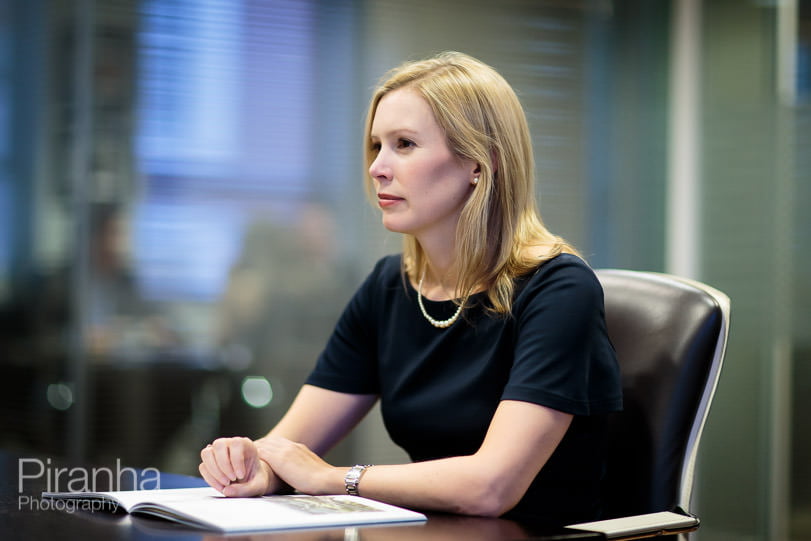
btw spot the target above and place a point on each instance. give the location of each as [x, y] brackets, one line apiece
[670, 336]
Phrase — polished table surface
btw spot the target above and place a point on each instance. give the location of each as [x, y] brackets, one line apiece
[24, 516]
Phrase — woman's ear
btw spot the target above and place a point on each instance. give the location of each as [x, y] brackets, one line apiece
[477, 171]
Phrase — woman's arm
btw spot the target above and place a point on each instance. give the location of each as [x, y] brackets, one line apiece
[490, 482]
[317, 418]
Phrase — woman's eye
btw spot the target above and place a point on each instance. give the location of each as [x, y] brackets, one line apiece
[374, 147]
[404, 143]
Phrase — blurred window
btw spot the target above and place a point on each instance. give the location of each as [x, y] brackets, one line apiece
[225, 102]
[189, 88]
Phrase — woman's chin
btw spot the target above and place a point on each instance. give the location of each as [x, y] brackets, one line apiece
[395, 226]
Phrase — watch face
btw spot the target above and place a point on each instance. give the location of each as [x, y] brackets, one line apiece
[352, 477]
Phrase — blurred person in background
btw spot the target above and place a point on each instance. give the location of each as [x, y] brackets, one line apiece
[119, 319]
[283, 264]
[484, 341]
[121, 323]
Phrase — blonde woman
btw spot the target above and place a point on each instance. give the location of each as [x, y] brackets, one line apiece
[484, 340]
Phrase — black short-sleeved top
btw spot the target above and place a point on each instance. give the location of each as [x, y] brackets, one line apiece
[439, 388]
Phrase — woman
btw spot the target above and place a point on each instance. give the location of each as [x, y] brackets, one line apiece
[485, 340]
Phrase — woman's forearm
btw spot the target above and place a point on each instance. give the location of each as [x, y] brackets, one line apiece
[487, 483]
[463, 484]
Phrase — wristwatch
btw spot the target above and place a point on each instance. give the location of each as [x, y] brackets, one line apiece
[352, 478]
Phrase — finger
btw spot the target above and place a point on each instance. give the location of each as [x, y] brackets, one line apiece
[244, 490]
[241, 457]
[214, 470]
[213, 475]
[210, 479]
[222, 456]
[261, 482]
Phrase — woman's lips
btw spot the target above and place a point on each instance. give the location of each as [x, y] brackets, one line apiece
[387, 200]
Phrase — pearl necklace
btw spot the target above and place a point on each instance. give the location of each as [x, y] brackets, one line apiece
[440, 324]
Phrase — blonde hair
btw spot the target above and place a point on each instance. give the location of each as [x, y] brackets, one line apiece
[483, 121]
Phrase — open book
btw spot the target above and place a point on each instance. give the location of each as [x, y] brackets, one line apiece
[640, 525]
[206, 508]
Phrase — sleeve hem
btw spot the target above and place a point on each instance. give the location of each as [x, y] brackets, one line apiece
[340, 385]
[561, 403]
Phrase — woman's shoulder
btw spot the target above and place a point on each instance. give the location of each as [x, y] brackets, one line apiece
[564, 263]
[375, 288]
[563, 272]
[388, 266]
[385, 273]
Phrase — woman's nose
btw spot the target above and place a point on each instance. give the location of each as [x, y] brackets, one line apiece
[379, 169]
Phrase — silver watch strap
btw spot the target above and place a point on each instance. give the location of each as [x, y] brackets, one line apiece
[352, 478]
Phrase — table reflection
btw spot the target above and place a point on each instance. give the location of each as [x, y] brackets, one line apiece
[440, 527]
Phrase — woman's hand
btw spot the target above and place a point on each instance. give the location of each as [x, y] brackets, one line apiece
[233, 467]
[299, 467]
[318, 417]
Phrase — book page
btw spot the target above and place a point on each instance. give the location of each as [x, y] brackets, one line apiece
[131, 498]
[127, 499]
[207, 508]
[286, 512]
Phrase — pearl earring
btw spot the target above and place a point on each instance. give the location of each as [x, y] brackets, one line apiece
[475, 180]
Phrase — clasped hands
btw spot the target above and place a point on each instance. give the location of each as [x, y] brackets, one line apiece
[241, 467]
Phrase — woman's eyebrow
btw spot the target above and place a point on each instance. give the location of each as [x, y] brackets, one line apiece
[395, 131]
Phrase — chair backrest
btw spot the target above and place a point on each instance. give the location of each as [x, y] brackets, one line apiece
[670, 337]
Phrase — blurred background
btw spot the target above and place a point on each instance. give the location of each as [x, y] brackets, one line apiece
[182, 216]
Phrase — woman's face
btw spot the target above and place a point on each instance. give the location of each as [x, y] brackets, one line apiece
[421, 185]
